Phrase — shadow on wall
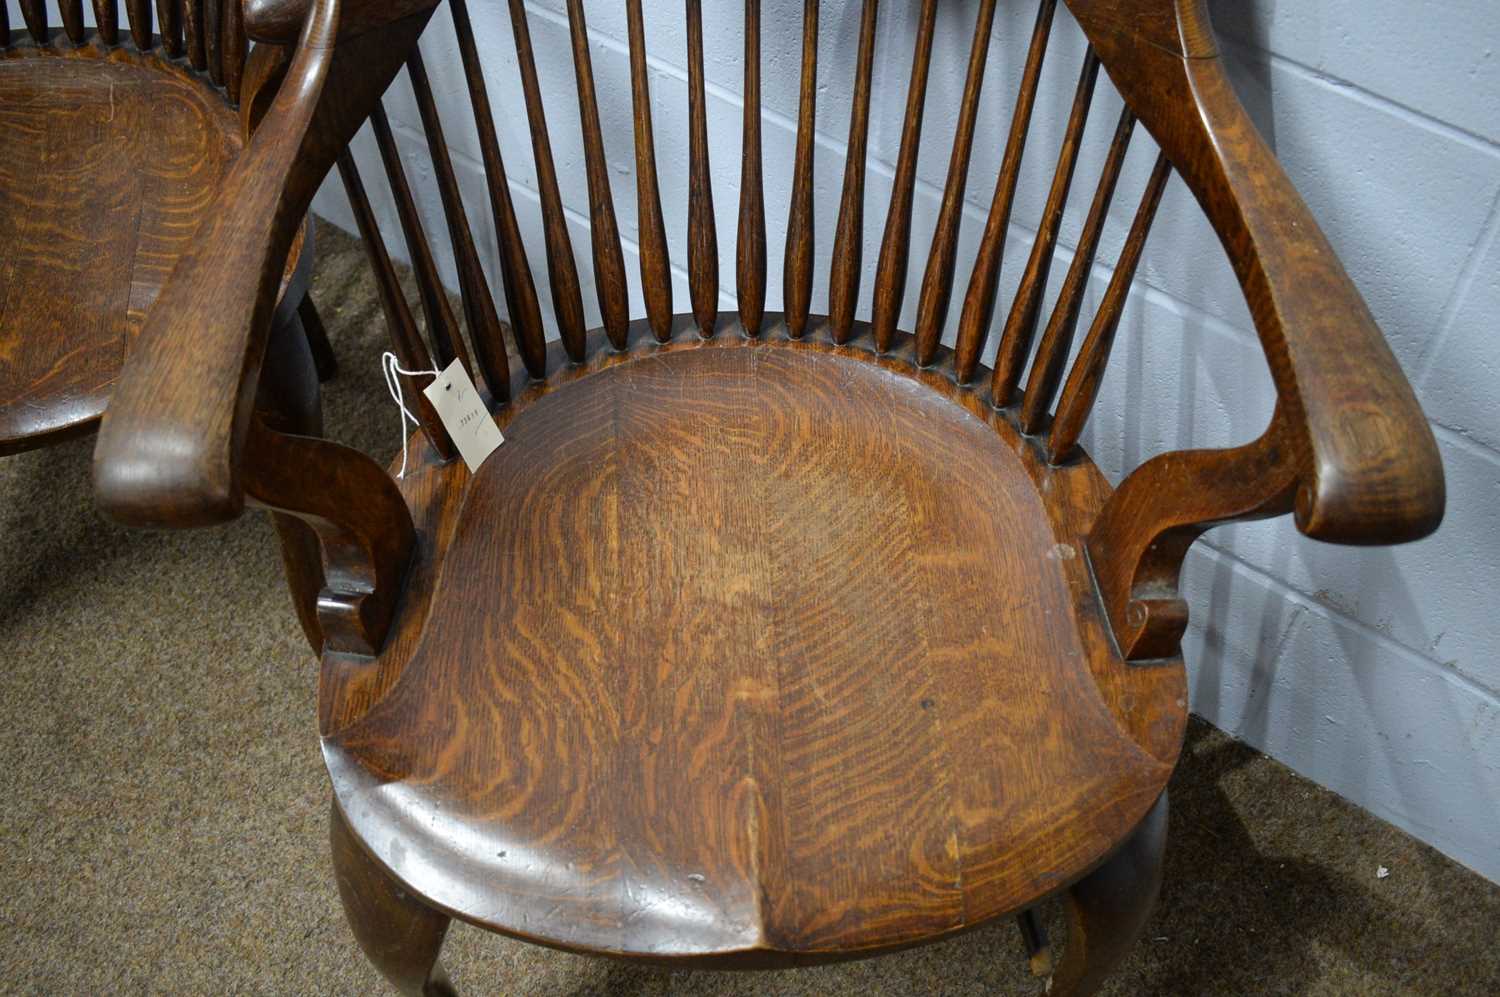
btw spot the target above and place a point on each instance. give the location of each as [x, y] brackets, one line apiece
[1240, 25]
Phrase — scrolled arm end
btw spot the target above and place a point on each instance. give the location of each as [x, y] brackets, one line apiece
[1377, 479]
[162, 478]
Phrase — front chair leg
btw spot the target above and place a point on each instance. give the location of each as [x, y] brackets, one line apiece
[399, 935]
[1108, 908]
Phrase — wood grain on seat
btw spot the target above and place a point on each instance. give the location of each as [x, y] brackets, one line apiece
[109, 160]
[754, 649]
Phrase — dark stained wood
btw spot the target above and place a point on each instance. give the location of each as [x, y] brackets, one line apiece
[619, 698]
[798, 264]
[750, 264]
[400, 937]
[235, 48]
[324, 359]
[90, 239]
[288, 400]
[106, 21]
[562, 270]
[365, 552]
[192, 30]
[1057, 340]
[71, 12]
[1146, 528]
[169, 26]
[266, 68]
[609, 258]
[34, 13]
[213, 38]
[895, 247]
[730, 816]
[703, 240]
[199, 352]
[406, 342]
[1108, 908]
[442, 326]
[937, 282]
[138, 13]
[515, 272]
[474, 287]
[849, 236]
[1020, 326]
[656, 265]
[1093, 357]
[979, 302]
[1034, 940]
[280, 22]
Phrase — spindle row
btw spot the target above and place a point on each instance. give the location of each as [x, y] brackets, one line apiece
[208, 34]
[1023, 317]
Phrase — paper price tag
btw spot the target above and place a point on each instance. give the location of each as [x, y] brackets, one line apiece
[462, 410]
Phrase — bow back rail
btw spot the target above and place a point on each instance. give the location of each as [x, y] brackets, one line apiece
[1348, 450]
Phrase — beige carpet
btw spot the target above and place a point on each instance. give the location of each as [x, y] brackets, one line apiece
[164, 829]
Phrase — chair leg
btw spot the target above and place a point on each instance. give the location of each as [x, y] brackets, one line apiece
[290, 401]
[317, 339]
[400, 936]
[1108, 908]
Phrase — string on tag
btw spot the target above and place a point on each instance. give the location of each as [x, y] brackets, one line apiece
[391, 368]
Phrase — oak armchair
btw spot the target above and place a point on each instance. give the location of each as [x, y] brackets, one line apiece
[114, 141]
[765, 638]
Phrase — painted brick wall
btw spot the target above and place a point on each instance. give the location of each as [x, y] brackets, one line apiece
[1374, 672]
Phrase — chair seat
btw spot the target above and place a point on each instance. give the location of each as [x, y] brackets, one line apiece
[748, 652]
[108, 161]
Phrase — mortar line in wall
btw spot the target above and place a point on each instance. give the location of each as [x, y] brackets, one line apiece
[1421, 119]
[1466, 278]
[1465, 681]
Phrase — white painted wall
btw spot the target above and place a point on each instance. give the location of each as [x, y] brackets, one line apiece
[1374, 672]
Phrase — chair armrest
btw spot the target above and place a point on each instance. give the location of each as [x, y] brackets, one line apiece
[170, 444]
[1367, 466]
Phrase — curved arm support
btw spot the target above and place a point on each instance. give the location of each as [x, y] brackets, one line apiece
[1367, 466]
[362, 522]
[1137, 545]
[170, 445]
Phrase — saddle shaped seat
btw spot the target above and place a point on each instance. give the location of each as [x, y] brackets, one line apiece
[819, 621]
[110, 160]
